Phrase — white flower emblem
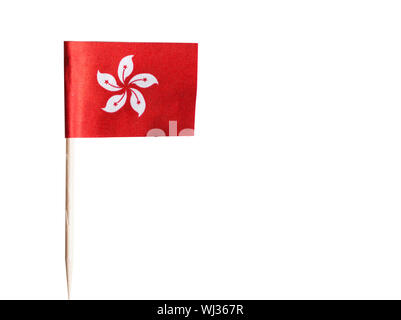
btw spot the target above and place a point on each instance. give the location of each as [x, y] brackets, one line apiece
[142, 80]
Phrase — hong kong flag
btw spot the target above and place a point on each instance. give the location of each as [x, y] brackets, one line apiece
[115, 89]
[121, 89]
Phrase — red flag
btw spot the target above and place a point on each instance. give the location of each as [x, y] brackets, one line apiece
[121, 89]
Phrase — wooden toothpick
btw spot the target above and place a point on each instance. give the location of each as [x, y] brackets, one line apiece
[68, 235]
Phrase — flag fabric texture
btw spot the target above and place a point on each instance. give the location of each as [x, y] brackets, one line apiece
[122, 89]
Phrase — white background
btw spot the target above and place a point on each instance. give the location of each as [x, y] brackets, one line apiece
[290, 188]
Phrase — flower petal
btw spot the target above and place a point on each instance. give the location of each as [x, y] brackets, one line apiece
[107, 81]
[143, 80]
[115, 102]
[137, 101]
[125, 67]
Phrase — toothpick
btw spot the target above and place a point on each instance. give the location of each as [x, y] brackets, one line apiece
[68, 235]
